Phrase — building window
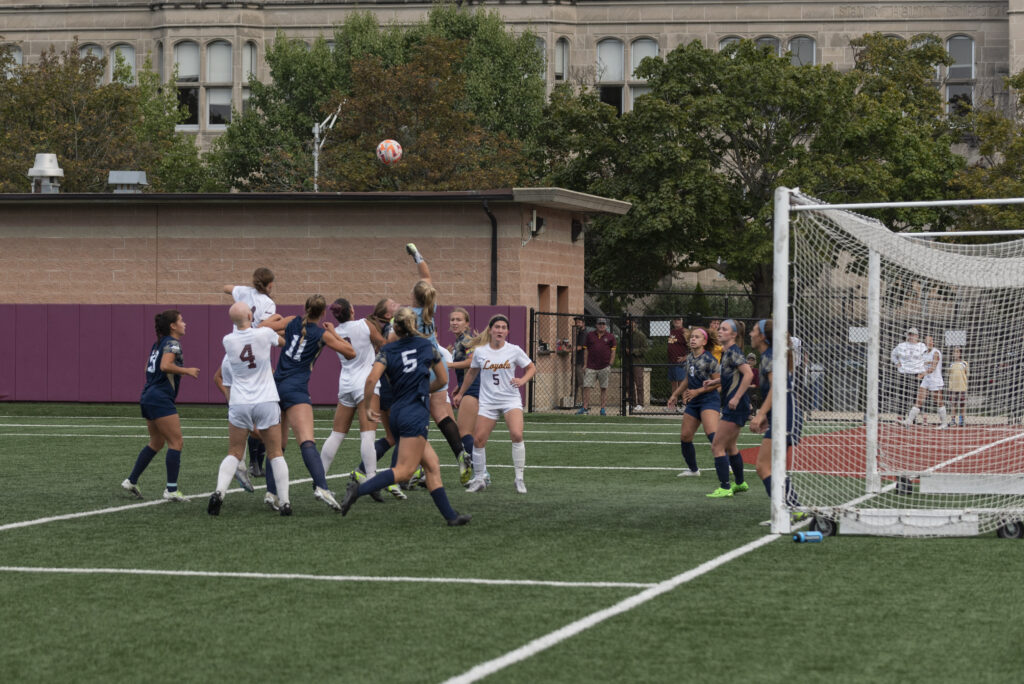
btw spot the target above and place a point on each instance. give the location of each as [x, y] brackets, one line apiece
[960, 75]
[644, 47]
[611, 72]
[219, 70]
[727, 41]
[561, 58]
[249, 61]
[770, 43]
[91, 50]
[126, 53]
[959, 99]
[18, 59]
[159, 66]
[186, 61]
[218, 106]
[801, 51]
[542, 48]
[246, 96]
[218, 62]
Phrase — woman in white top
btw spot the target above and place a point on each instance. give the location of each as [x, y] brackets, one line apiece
[495, 361]
[908, 357]
[931, 381]
[365, 338]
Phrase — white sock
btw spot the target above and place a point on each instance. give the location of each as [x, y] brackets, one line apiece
[227, 471]
[912, 416]
[330, 449]
[943, 418]
[280, 467]
[519, 458]
[479, 461]
[368, 452]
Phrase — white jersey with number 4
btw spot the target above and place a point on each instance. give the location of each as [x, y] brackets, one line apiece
[497, 368]
[252, 377]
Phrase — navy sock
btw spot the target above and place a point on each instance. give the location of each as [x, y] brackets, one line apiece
[311, 457]
[467, 444]
[442, 503]
[450, 431]
[271, 482]
[689, 454]
[722, 468]
[381, 446]
[736, 462]
[711, 437]
[173, 461]
[791, 498]
[768, 485]
[255, 448]
[384, 478]
[143, 459]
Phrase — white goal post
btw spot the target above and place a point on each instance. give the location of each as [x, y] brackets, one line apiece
[909, 398]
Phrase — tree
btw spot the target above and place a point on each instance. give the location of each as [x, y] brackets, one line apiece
[58, 105]
[269, 146]
[701, 154]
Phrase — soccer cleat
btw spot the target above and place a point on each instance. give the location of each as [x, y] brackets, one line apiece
[216, 499]
[131, 488]
[286, 509]
[272, 501]
[689, 473]
[396, 491]
[256, 471]
[638, 409]
[740, 487]
[477, 484]
[411, 249]
[176, 495]
[360, 476]
[418, 479]
[582, 411]
[327, 497]
[520, 486]
[351, 494]
[798, 516]
[487, 478]
[460, 520]
[242, 477]
[720, 493]
[465, 467]
[603, 412]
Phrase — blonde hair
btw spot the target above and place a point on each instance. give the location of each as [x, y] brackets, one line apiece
[315, 306]
[261, 279]
[426, 296]
[405, 323]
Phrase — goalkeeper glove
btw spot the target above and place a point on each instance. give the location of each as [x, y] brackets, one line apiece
[414, 253]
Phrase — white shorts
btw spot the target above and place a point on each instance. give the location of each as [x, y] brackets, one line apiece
[255, 416]
[932, 384]
[350, 397]
[225, 372]
[496, 411]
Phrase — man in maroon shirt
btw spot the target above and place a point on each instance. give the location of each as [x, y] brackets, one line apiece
[598, 356]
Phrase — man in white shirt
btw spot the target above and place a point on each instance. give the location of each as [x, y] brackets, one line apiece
[253, 404]
[909, 358]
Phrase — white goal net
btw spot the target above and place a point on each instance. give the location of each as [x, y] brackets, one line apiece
[911, 376]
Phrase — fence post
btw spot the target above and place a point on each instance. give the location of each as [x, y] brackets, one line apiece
[533, 355]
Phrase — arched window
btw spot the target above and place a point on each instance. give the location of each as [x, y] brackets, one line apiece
[727, 41]
[249, 59]
[771, 43]
[611, 71]
[218, 62]
[801, 51]
[125, 52]
[91, 50]
[219, 70]
[561, 59]
[542, 48]
[641, 48]
[19, 59]
[186, 61]
[159, 66]
[961, 49]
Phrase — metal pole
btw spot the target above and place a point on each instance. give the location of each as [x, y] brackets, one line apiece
[780, 371]
[874, 481]
[316, 156]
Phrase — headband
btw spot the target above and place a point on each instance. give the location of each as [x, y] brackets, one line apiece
[495, 319]
[732, 324]
[761, 324]
[703, 332]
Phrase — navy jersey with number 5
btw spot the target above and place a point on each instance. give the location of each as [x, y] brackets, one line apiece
[157, 382]
[407, 365]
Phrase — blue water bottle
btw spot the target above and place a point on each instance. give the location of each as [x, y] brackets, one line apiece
[807, 537]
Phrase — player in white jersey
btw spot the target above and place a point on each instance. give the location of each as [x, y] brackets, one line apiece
[495, 361]
[253, 404]
[908, 357]
[931, 381]
[364, 336]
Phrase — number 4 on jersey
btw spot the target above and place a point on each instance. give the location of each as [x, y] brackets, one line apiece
[248, 356]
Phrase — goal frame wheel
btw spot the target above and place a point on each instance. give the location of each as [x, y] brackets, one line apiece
[1010, 529]
[826, 526]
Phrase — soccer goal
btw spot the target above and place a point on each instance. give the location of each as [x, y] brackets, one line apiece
[911, 381]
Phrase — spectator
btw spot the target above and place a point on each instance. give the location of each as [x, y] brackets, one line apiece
[579, 334]
[599, 352]
[678, 350]
[637, 352]
[755, 392]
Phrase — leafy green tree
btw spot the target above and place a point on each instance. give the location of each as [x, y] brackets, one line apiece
[58, 105]
[701, 154]
[269, 147]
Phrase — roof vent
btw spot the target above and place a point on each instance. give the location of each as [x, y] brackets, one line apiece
[127, 181]
[45, 173]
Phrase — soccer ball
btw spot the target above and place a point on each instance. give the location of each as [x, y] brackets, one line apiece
[389, 152]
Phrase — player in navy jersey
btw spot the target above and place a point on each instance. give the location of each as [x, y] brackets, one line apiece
[163, 376]
[462, 359]
[761, 339]
[734, 380]
[425, 307]
[304, 338]
[698, 393]
[408, 362]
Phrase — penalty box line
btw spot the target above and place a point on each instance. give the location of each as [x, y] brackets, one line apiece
[551, 639]
[325, 578]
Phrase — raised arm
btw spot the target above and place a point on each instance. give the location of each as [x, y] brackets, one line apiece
[421, 265]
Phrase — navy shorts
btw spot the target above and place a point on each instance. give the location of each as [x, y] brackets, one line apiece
[409, 420]
[157, 405]
[739, 416]
[474, 389]
[706, 402]
[676, 373]
[291, 393]
[795, 427]
[385, 395]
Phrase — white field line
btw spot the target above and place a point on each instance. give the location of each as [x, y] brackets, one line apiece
[545, 642]
[330, 578]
